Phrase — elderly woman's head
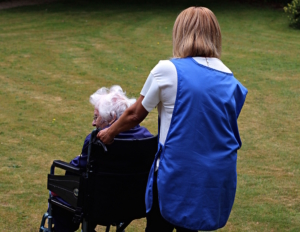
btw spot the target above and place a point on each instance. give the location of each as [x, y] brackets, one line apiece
[196, 32]
[109, 105]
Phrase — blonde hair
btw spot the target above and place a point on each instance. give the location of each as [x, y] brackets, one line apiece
[196, 32]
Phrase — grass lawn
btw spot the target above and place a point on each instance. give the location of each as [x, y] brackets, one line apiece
[53, 57]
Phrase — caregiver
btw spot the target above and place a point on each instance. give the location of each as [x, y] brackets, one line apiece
[192, 182]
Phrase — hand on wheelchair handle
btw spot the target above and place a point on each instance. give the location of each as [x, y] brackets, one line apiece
[105, 137]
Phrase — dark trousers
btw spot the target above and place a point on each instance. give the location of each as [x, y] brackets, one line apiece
[155, 222]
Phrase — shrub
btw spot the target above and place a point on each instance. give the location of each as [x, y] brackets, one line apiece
[293, 11]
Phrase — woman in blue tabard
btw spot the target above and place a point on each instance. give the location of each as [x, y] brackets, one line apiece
[192, 182]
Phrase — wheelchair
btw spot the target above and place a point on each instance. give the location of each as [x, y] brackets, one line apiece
[110, 191]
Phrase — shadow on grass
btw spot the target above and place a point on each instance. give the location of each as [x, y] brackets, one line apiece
[80, 6]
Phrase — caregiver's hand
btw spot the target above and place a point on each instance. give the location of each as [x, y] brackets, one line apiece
[105, 136]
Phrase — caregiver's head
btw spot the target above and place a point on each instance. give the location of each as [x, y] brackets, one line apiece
[109, 105]
[196, 32]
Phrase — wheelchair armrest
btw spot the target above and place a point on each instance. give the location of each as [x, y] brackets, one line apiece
[65, 166]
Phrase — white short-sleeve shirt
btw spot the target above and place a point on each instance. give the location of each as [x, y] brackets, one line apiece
[160, 90]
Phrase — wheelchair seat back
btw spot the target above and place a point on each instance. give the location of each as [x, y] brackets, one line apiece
[117, 177]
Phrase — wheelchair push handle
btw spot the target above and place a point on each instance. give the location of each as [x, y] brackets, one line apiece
[97, 141]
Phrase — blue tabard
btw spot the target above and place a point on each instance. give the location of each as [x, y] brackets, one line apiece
[197, 177]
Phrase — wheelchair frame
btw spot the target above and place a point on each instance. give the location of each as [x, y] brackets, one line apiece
[79, 181]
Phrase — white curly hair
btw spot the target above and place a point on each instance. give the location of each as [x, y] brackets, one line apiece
[110, 103]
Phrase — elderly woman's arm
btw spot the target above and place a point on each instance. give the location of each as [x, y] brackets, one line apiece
[129, 119]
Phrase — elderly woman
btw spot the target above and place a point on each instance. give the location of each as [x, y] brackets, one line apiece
[109, 105]
[192, 182]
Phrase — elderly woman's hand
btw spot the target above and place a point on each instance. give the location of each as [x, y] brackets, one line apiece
[105, 136]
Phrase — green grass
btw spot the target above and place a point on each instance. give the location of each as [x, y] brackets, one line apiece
[53, 57]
